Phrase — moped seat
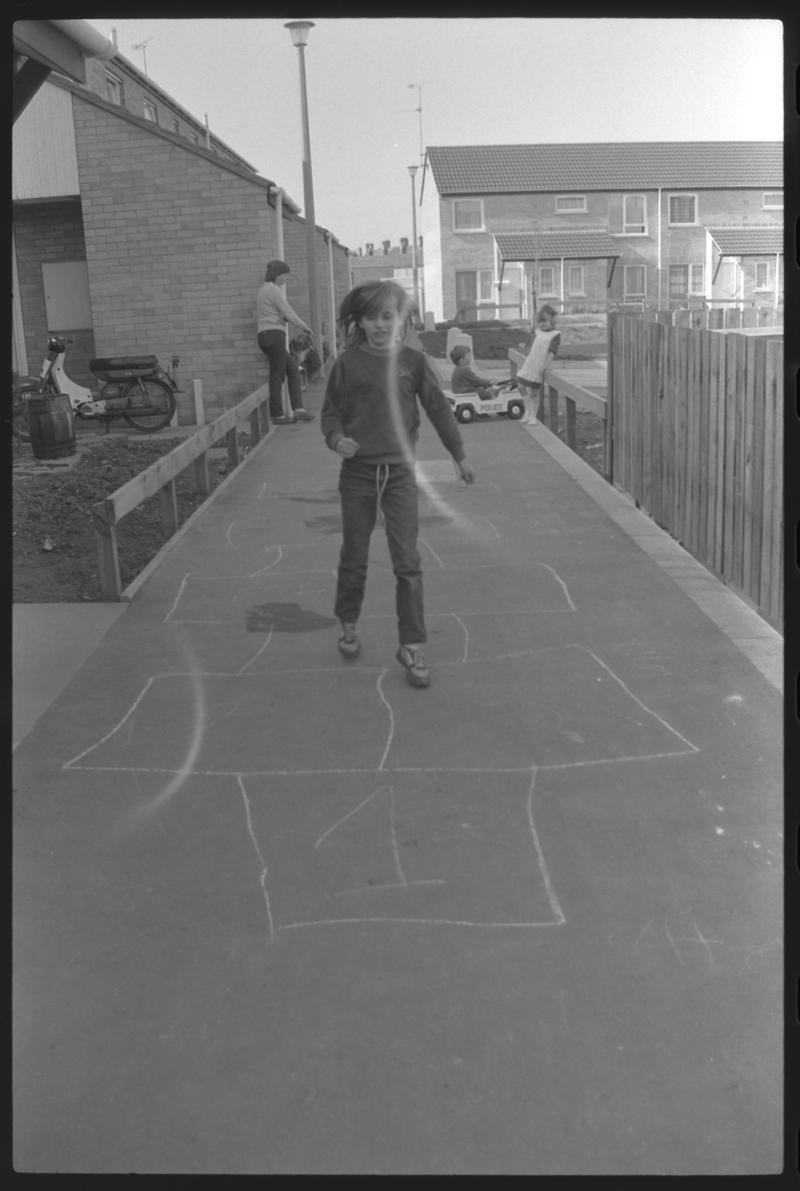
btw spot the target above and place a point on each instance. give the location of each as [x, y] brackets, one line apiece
[134, 365]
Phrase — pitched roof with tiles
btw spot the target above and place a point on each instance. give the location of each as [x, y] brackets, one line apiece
[579, 244]
[748, 241]
[508, 169]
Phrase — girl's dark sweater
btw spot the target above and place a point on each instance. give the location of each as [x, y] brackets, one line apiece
[372, 397]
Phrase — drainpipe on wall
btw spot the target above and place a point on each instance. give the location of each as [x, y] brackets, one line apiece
[777, 279]
[279, 223]
[658, 265]
[332, 328]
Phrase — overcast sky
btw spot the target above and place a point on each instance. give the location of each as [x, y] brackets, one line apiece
[486, 81]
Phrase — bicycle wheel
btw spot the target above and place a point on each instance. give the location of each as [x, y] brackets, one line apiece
[145, 396]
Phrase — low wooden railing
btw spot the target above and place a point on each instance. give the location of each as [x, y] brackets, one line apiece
[160, 478]
[575, 397]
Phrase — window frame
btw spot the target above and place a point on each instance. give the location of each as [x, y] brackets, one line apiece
[581, 210]
[628, 294]
[757, 265]
[695, 290]
[466, 231]
[113, 84]
[630, 228]
[682, 194]
[684, 290]
[552, 292]
[765, 206]
[580, 292]
[149, 106]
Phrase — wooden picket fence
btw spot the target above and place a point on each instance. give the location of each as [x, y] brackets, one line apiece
[697, 438]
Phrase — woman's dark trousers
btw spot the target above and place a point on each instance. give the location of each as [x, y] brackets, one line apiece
[281, 364]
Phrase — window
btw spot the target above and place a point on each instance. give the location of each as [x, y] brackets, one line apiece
[195, 139]
[473, 286]
[467, 215]
[176, 124]
[634, 284]
[547, 281]
[633, 215]
[762, 274]
[150, 111]
[697, 275]
[575, 284]
[772, 200]
[113, 88]
[678, 282]
[570, 202]
[683, 209]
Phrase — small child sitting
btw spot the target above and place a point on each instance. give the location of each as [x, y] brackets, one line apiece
[464, 380]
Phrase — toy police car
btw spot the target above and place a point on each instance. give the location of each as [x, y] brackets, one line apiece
[469, 406]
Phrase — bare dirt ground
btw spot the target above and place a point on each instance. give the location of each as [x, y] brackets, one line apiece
[54, 553]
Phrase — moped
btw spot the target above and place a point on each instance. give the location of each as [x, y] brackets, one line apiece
[135, 388]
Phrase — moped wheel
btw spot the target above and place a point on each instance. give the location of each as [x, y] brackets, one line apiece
[145, 396]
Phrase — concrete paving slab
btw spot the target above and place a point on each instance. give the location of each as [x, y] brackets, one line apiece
[50, 643]
[278, 913]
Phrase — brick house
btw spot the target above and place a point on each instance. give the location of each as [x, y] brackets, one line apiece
[586, 226]
[135, 230]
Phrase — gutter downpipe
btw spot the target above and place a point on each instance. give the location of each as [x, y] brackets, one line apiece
[279, 222]
[332, 287]
[658, 266]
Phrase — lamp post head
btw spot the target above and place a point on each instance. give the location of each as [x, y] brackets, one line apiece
[412, 169]
[299, 32]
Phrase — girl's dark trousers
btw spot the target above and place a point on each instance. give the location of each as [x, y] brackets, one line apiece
[281, 364]
[359, 487]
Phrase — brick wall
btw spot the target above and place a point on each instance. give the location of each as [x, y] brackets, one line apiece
[176, 247]
[48, 233]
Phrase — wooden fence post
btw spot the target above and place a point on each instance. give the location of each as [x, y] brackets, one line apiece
[608, 443]
[107, 552]
[232, 441]
[169, 509]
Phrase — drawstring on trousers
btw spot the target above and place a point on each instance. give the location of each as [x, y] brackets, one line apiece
[380, 488]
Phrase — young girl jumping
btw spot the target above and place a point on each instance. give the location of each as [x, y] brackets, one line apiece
[371, 418]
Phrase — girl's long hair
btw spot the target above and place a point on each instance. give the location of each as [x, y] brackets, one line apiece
[366, 300]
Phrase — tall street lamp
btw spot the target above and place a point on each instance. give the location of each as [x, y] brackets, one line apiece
[412, 169]
[299, 34]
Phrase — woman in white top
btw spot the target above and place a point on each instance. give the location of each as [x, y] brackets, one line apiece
[273, 312]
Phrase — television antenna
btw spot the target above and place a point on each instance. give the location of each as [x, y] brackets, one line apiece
[142, 45]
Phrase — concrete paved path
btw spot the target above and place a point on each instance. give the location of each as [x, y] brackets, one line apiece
[278, 913]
